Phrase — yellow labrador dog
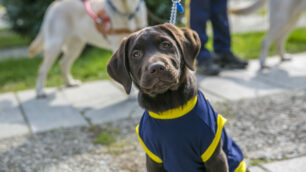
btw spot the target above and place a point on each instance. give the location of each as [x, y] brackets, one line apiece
[284, 14]
[67, 27]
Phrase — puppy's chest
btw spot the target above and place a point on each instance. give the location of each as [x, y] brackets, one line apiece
[180, 139]
[188, 128]
[186, 133]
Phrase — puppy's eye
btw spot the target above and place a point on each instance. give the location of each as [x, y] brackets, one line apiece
[165, 44]
[136, 53]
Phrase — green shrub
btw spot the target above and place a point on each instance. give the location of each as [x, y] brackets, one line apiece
[10, 39]
[161, 9]
[25, 16]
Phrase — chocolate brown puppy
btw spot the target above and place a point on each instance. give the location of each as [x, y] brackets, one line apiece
[158, 61]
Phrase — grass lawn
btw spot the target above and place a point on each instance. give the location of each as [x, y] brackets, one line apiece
[248, 45]
[10, 39]
[20, 74]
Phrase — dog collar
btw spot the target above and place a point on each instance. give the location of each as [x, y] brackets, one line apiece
[130, 15]
[176, 112]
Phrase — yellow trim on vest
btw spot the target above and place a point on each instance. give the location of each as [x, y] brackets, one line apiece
[187, 13]
[176, 112]
[149, 153]
[211, 149]
[241, 167]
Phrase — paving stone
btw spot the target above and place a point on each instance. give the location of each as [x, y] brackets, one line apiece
[137, 112]
[290, 74]
[297, 62]
[211, 97]
[120, 110]
[49, 113]
[94, 95]
[292, 165]
[256, 169]
[11, 119]
[236, 85]
[14, 53]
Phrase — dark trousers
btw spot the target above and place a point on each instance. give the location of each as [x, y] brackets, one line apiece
[216, 11]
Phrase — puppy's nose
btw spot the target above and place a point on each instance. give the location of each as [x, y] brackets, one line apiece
[156, 67]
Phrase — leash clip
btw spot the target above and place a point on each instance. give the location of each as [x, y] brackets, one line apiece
[176, 5]
[180, 7]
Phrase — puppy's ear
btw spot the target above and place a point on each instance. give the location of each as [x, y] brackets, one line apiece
[187, 40]
[117, 67]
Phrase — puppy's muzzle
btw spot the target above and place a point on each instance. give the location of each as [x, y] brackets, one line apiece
[156, 68]
[158, 77]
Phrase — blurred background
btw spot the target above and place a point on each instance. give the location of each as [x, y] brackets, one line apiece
[20, 22]
[109, 143]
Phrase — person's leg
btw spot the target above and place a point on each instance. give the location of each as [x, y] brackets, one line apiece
[198, 17]
[222, 38]
[220, 24]
[198, 13]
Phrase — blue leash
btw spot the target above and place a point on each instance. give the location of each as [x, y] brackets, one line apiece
[176, 6]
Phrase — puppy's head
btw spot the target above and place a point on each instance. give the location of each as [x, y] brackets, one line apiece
[154, 58]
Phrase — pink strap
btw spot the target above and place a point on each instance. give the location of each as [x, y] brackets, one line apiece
[89, 10]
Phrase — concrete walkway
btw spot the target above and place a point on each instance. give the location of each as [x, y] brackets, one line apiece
[104, 101]
[14, 53]
[291, 165]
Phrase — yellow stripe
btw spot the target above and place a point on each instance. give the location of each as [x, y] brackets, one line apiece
[241, 167]
[211, 149]
[149, 153]
[187, 13]
[176, 112]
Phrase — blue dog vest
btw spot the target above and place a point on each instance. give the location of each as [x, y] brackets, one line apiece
[182, 139]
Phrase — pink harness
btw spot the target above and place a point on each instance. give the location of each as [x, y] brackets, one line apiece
[102, 19]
